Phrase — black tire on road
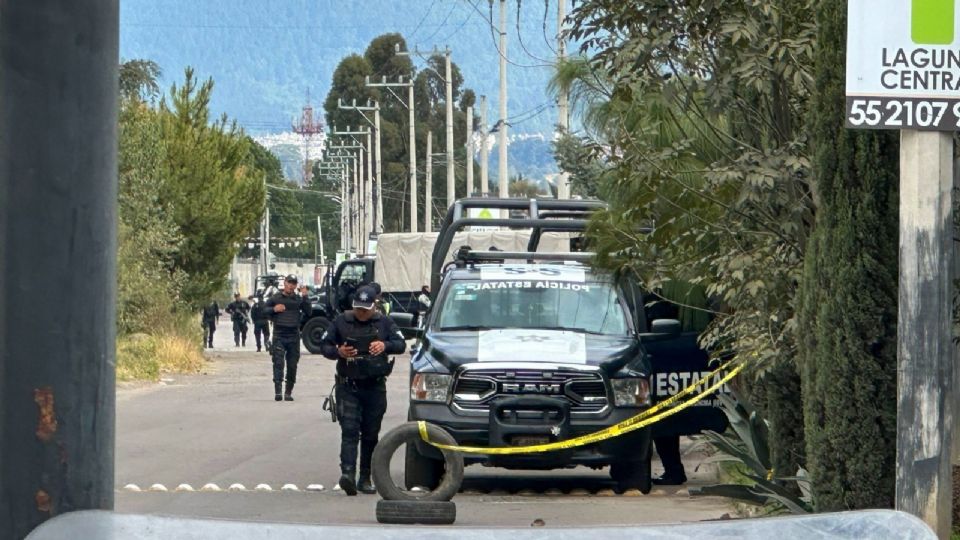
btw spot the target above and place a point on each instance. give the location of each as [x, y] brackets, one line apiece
[632, 475]
[416, 512]
[408, 434]
[420, 470]
[313, 333]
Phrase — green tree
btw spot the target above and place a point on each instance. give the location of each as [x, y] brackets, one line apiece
[214, 194]
[138, 80]
[848, 298]
[694, 111]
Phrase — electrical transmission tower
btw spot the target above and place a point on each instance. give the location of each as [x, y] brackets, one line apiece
[307, 127]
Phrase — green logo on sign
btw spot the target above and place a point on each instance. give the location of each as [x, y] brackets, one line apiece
[932, 21]
[485, 214]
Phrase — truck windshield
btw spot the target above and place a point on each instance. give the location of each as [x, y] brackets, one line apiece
[554, 305]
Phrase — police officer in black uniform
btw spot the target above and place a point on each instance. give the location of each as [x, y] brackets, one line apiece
[287, 307]
[209, 323]
[239, 311]
[261, 323]
[360, 341]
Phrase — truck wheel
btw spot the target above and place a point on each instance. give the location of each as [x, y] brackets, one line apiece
[313, 333]
[416, 512]
[632, 475]
[409, 434]
[419, 470]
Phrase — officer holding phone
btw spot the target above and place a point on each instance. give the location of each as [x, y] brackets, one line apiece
[361, 341]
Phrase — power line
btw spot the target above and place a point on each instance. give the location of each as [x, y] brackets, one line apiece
[453, 6]
[265, 27]
[520, 37]
[425, 15]
[469, 15]
[493, 36]
[546, 11]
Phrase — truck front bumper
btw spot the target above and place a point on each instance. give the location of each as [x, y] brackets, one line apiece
[502, 428]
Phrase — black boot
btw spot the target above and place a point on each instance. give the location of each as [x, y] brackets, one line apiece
[674, 476]
[364, 484]
[277, 396]
[347, 483]
[287, 396]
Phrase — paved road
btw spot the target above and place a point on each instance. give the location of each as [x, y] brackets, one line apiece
[224, 427]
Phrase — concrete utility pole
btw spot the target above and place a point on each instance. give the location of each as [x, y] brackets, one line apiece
[58, 211]
[363, 190]
[413, 142]
[447, 78]
[469, 146]
[484, 149]
[563, 120]
[413, 162]
[375, 123]
[338, 171]
[320, 239]
[502, 144]
[451, 179]
[264, 228]
[926, 373]
[378, 216]
[428, 206]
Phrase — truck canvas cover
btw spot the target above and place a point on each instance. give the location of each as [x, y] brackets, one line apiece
[403, 259]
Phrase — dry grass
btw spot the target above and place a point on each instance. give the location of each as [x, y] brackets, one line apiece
[145, 357]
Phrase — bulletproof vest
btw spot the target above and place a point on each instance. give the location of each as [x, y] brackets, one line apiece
[210, 312]
[366, 366]
[290, 318]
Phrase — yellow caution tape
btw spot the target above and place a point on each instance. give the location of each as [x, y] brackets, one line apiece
[633, 423]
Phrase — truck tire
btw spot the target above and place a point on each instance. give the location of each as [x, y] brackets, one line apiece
[632, 475]
[420, 470]
[416, 512]
[313, 333]
[408, 434]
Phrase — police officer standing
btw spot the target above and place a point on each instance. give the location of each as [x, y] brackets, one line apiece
[210, 315]
[360, 341]
[239, 311]
[287, 307]
[261, 323]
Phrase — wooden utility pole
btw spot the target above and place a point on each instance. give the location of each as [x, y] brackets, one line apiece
[927, 389]
[926, 395]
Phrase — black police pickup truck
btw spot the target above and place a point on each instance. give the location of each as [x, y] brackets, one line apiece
[526, 348]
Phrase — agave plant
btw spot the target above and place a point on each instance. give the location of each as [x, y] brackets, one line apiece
[747, 442]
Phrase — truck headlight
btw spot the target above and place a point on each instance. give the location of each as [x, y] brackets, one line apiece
[430, 387]
[631, 392]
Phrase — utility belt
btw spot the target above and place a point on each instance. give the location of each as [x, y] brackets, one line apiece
[355, 382]
[359, 368]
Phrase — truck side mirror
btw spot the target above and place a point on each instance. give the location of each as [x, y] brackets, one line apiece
[406, 324]
[665, 326]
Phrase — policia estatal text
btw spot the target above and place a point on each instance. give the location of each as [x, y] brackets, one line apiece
[288, 309]
[360, 341]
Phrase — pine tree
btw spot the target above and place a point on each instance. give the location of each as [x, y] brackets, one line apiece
[847, 308]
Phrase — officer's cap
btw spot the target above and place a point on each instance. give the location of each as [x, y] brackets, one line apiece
[291, 278]
[364, 297]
